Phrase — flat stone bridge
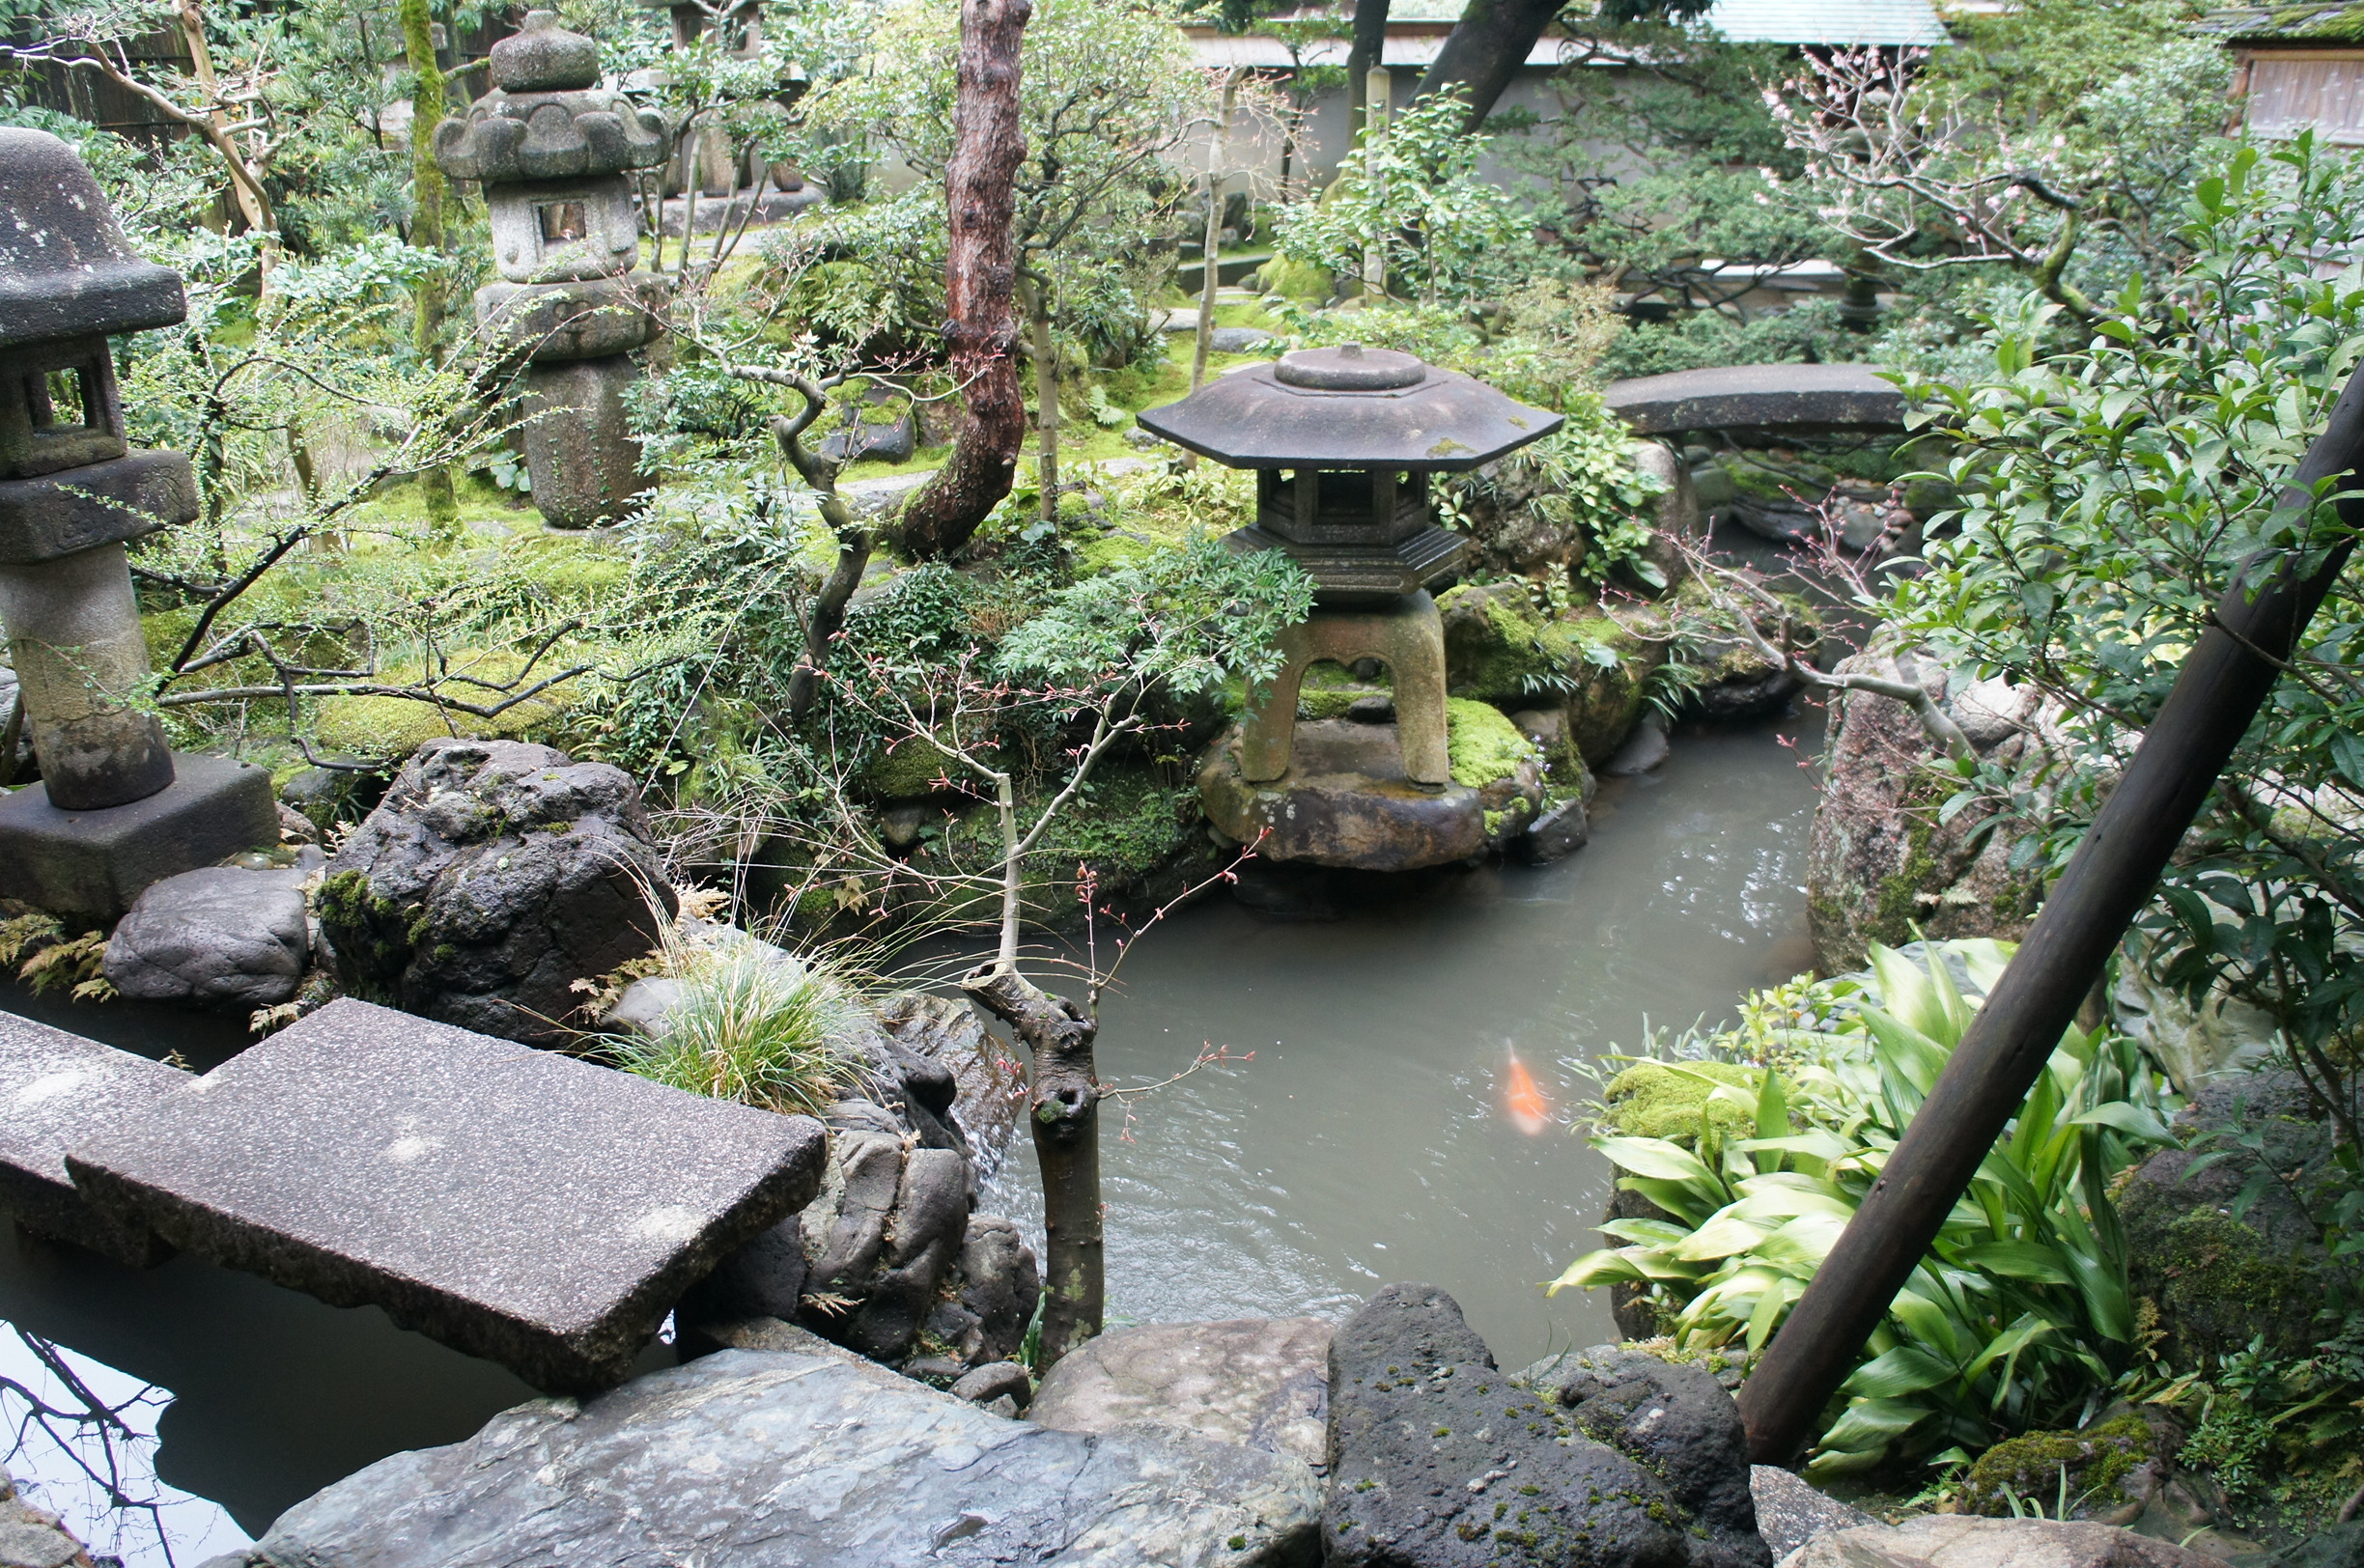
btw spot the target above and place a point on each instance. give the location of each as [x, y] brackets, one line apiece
[535, 1209]
[1794, 398]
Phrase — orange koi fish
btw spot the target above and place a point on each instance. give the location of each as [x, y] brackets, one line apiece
[1531, 1112]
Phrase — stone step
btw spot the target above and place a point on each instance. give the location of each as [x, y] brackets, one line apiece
[54, 1088]
[540, 1212]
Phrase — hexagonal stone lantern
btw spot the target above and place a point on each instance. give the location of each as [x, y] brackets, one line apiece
[1343, 441]
[552, 148]
[116, 810]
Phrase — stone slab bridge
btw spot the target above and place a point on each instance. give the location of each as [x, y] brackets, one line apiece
[535, 1209]
[1793, 399]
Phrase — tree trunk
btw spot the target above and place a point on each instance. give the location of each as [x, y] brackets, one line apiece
[1210, 264]
[1037, 299]
[1364, 55]
[1485, 50]
[427, 192]
[980, 276]
[1065, 1116]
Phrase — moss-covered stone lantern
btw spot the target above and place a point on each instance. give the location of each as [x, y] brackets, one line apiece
[1343, 441]
[117, 810]
[553, 150]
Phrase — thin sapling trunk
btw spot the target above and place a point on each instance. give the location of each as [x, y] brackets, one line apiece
[1211, 273]
[1035, 292]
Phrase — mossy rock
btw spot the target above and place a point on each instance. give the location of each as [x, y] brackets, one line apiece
[1657, 1100]
[912, 769]
[2216, 1282]
[1297, 280]
[1610, 661]
[1328, 690]
[2096, 1463]
[1500, 649]
[398, 727]
[1141, 839]
[1483, 745]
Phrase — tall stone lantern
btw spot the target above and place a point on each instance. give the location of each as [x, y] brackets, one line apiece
[1343, 441]
[552, 150]
[117, 809]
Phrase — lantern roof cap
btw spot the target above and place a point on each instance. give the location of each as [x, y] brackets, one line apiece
[66, 270]
[1350, 407]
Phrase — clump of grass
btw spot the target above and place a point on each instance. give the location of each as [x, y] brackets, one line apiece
[753, 1029]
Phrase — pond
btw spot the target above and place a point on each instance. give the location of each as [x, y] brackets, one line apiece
[1366, 1140]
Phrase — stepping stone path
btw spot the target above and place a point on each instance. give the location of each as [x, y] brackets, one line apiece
[538, 1211]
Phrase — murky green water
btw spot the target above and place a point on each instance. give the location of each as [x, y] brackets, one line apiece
[1365, 1141]
[1368, 1140]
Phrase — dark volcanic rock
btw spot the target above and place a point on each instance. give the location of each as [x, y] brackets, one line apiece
[1677, 1421]
[538, 1211]
[1437, 1459]
[216, 936]
[493, 875]
[793, 1453]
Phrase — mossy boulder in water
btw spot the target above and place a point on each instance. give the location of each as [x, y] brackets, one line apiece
[1594, 667]
[1499, 647]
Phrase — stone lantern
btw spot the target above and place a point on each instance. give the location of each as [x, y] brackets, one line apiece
[1343, 441]
[552, 150]
[116, 810]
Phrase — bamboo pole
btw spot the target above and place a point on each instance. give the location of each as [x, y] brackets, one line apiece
[2223, 683]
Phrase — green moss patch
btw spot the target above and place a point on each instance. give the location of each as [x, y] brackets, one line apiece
[2035, 1469]
[1482, 744]
[1653, 1100]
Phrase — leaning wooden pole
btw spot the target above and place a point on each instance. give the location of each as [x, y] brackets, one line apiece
[2223, 683]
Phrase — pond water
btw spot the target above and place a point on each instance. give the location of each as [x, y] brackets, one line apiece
[1367, 1141]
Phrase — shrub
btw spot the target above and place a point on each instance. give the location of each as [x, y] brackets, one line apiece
[2020, 1309]
[752, 1026]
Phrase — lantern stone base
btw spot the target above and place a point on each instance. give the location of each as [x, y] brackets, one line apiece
[96, 863]
[1345, 802]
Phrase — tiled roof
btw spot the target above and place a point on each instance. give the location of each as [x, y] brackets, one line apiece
[2341, 22]
[1891, 22]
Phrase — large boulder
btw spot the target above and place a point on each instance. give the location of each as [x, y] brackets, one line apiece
[793, 1452]
[1790, 1512]
[32, 1537]
[2217, 1281]
[1881, 864]
[493, 875]
[1438, 1459]
[217, 937]
[1967, 1541]
[1262, 1383]
[1345, 802]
